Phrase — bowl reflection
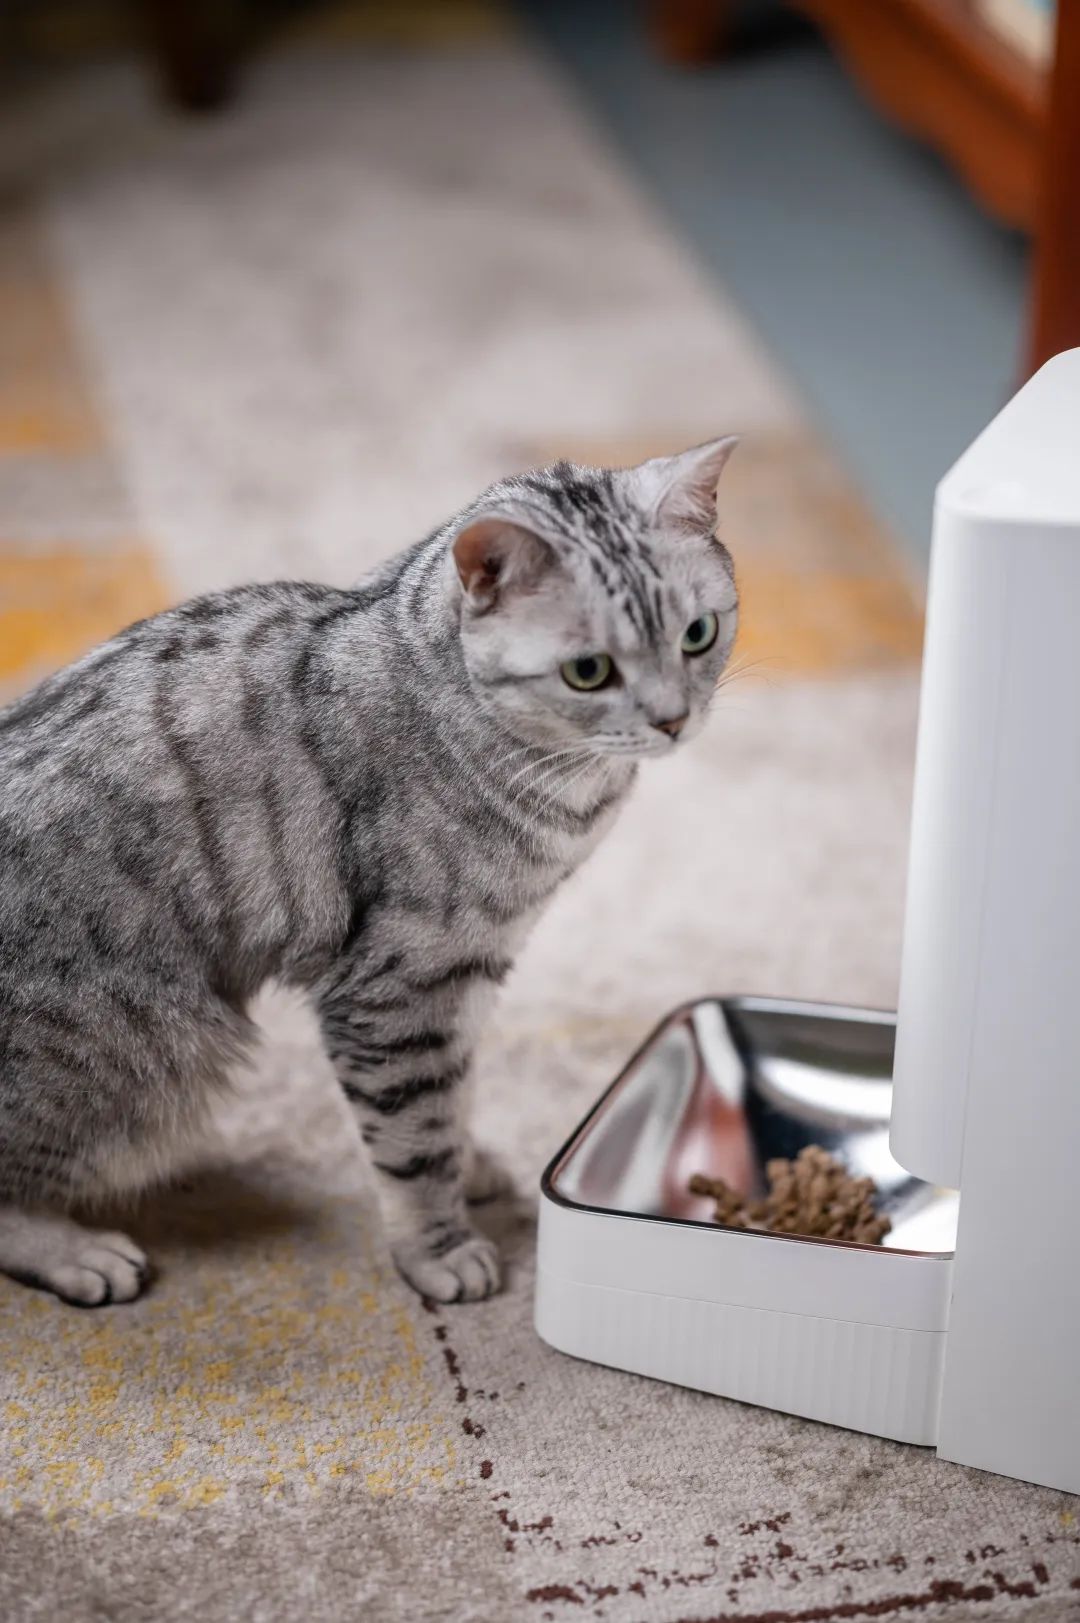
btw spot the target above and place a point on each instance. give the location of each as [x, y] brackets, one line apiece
[724, 1086]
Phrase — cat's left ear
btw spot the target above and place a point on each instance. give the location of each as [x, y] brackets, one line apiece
[495, 556]
[683, 487]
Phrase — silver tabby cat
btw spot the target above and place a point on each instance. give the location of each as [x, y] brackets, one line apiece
[369, 794]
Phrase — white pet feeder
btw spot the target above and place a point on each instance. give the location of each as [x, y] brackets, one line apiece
[963, 1329]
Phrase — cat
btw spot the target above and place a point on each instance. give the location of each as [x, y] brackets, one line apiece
[369, 794]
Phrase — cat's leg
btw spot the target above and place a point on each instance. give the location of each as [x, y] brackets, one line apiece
[85, 1267]
[41, 1176]
[64, 1148]
[405, 1075]
[485, 1176]
[422, 1157]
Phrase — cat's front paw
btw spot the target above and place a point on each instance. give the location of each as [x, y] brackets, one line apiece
[468, 1271]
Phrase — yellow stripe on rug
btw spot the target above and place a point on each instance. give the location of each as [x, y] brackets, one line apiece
[61, 591]
[57, 603]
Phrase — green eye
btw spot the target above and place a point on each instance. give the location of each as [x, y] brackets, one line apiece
[588, 673]
[700, 634]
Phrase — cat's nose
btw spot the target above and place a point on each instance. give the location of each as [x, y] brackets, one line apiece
[674, 725]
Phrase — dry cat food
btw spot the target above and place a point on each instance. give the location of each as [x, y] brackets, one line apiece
[814, 1194]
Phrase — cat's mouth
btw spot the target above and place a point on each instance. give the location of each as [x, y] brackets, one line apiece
[640, 749]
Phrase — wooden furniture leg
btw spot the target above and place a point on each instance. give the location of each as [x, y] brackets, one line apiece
[1011, 131]
[689, 32]
[194, 47]
[1055, 293]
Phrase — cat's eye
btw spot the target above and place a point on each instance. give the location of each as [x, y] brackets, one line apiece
[588, 673]
[700, 634]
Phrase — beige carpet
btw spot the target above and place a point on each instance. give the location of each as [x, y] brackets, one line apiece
[306, 332]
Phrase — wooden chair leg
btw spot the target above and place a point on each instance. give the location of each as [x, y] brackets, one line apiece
[193, 44]
[686, 32]
[1055, 287]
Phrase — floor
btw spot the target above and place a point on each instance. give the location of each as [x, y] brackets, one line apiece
[895, 305]
[84, 547]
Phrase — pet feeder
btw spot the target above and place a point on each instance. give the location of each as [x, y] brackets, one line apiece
[963, 1329]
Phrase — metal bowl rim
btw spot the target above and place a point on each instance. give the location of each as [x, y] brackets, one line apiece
[747, 1002]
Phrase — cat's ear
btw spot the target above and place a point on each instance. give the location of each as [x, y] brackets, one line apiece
[495, 556]
[683, 487]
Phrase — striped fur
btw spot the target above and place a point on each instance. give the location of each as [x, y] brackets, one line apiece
[367, 793]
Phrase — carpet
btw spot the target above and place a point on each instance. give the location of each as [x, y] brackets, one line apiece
[285, 342]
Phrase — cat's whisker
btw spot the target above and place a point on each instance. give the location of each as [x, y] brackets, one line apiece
[534, 762]
[748, 667]
[550, 775]
[564, 788]
[552, 784]
[535, 755]
[548, 766]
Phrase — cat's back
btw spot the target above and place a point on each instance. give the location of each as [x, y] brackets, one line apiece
[166, 779]
[160, 746]
[209, 666]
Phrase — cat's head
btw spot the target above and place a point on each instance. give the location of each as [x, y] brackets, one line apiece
[597, 605]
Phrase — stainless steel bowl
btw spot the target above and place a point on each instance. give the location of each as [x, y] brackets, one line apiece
[726, 1084]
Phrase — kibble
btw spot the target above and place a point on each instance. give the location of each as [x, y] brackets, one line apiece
[813, 1195]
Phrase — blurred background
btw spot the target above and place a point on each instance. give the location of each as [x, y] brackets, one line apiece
[282, 282]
